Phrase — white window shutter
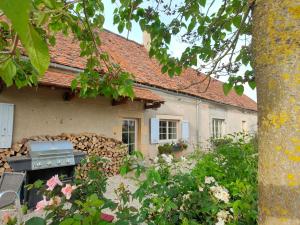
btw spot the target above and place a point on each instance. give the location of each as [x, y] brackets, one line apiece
[154, 130]
[185, 130]
[6, 124]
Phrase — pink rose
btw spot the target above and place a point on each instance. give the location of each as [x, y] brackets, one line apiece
[41, 204]
[52, 182]
[55, 201]
[67, 190]
[6, 217]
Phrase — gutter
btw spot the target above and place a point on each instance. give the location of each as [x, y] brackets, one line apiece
[66, 68]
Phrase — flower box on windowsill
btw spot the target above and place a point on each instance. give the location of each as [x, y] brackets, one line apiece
[173, 147]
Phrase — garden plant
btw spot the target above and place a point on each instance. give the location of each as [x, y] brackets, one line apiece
[220, 189]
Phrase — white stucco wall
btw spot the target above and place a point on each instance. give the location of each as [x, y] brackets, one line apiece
[182, 107]
[40, 111]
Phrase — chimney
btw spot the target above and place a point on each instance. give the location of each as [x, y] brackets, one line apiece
[146, 40]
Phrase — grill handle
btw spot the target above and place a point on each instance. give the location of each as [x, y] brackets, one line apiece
[49, 154]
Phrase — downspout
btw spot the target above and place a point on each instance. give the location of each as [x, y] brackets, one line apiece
[198, 102]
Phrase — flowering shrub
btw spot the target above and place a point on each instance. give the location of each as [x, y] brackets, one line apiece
[174, 198]
[234, 165]
[221, 189]
[77, 203]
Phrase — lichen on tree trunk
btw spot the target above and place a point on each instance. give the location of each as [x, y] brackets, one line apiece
[276, 49]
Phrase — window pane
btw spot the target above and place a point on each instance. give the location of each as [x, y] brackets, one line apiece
[162, 130]
[217, 128]
[131, 125]
[125, 138]
[172, 124]
[131, 138]
[172, 136]
[125, 126]
[162, 123]
[162, 136]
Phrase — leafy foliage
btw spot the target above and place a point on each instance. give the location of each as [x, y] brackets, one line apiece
[234, 164]
[169, 195]
[171, 148]
[36, 24]
[213, 37]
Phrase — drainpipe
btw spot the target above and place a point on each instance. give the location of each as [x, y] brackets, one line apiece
[198, 102]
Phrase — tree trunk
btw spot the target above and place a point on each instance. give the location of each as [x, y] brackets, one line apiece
[276, 49]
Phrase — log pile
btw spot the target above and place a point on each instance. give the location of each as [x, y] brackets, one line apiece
[91, 143]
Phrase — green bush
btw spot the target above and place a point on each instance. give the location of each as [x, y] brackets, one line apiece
[165, 149]
[169, 198]
[234, 164]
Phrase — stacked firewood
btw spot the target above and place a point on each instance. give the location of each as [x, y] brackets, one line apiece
[94, 145]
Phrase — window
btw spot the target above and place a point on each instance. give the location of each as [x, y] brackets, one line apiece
[217, 128]
[129, 132]
[167, 130]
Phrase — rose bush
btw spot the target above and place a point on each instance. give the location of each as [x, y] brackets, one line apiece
[234, 164]
[79, 203]
[168, 196]
[221, 189]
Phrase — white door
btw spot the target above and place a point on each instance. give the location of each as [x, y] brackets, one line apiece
[129, 134]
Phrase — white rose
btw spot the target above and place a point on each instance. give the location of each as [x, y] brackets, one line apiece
[209, 180]
[220, 222]
[200, 188]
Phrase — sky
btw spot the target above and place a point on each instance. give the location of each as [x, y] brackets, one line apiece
[176, 46]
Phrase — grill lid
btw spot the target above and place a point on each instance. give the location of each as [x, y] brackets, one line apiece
[48, 148]
[47, 154]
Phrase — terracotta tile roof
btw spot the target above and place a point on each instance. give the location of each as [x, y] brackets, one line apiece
[61, 79]
[134, 58]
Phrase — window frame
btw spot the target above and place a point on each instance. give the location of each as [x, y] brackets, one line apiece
[168, 140]
[128, 133]
[220, 130]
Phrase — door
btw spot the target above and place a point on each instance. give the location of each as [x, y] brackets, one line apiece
[129, 134]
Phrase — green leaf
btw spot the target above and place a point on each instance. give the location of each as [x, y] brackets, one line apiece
[202, 2]
[8, 72]
[74, 84]
[252, 84]
[37, 50]
[227, 88]
[35, 221]
[192, 24]
[164, 69]
[18, 13]
[239, 89]
[201, 29]
[237, 21]
[67, 221]
[121, 27]
[124, 170]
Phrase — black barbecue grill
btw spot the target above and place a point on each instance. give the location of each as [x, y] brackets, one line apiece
[46, 159]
